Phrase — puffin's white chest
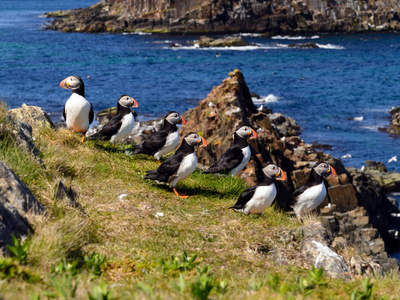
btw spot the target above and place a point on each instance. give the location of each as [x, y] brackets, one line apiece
[262, 198]
[187, 166]
[310, 199]
[170, 144]
[128, 122]
[246, 157]
[77, 110]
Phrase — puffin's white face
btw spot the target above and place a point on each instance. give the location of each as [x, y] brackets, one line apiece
[273, 171]
[127, 101]
[194, 139]
[71, 82]
[324, 168]
[174, 118]
[246, 132]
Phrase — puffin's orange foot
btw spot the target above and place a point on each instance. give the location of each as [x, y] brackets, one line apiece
[83, 138]
[159, 161]
[70, 132]
[179, 195]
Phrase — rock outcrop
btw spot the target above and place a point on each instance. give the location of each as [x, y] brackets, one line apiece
[272, 17]
[355, 209]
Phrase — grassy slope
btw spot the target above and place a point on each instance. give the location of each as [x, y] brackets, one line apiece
[134, 239]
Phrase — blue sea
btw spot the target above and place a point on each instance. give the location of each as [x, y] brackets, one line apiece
[340, 93]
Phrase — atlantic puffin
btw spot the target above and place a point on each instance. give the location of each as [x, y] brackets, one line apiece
[78, 112]
[311, 195]
[257, 198]
[180, 165]
[237, 156]
[121, 125]
[164, 140]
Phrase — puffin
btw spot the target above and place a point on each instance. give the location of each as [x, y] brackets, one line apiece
[121, 124]
[78, 112]
[237, 156]
[180, 165]
[256, 199]
[164, 140]
[311, 195]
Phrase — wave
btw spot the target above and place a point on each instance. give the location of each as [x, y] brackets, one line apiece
[288, 37]
[138, 33]
[330, 46]
[252, 47]
[267, 99]
[249, 34]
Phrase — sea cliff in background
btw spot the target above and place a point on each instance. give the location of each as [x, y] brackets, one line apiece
[274, 17]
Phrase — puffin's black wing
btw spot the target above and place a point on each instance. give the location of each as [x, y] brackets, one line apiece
[293, 197]
[244, 197]
[111, 128]
[64, 114]
[152, 144]
[228, 161]
[91, 114]
[167, 169]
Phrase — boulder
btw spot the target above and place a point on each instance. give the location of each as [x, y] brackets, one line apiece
[35, 116]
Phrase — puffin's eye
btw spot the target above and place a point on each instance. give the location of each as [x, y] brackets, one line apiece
[273, 168]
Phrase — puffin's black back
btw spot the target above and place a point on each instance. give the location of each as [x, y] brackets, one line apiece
[171, 165]
[157, 140]
[112, 126]
[313, 180]
[231, 157]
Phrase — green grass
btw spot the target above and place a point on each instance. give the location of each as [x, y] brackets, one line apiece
[150, 243]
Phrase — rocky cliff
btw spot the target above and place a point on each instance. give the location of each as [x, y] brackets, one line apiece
[273, 17]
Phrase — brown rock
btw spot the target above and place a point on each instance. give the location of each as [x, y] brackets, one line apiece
[343, 196]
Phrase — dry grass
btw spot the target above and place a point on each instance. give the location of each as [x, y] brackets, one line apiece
[135, 223]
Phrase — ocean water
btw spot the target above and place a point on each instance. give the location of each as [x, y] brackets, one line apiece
[340, 93]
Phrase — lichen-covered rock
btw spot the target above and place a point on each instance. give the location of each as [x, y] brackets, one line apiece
[33, 115]
[206, 42]
[316, 246]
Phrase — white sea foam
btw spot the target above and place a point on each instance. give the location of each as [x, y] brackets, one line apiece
[250, 34]
[330, 46]
[347, 156]
[359, 119]
[266, 99]
[252, 47]
[138, 33]
[288, 37]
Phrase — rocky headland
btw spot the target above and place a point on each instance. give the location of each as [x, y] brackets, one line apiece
[269, 17]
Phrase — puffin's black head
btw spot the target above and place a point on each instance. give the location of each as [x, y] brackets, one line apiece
[127, 101]
[71, 82]
[274, 172]
[246, 132]
[174, 118]
[194, 139]
[324, 169]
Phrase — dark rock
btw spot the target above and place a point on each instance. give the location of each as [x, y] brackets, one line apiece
[375, 166]
[15, 202]
[304, 45]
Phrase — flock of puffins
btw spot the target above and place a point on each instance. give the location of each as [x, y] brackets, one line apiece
[78, 114]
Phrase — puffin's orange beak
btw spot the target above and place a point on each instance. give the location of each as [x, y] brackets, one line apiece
[203, 142]
[253, 134]
[64, 84]
[332, 170]
[183, 121]
[134, 103]
[281, 175]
